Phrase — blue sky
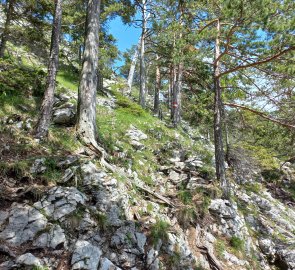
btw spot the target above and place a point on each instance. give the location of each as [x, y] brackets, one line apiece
[125, 35]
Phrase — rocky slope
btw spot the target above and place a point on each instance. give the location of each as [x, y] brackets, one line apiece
[93, 218]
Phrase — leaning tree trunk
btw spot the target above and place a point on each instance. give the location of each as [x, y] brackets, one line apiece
[5, 34]
[86, 115]
[132, 68]
[142, 90]
[218, 140]
[157, 90]
[48, 99]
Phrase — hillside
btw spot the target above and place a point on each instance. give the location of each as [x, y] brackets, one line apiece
[152, 204]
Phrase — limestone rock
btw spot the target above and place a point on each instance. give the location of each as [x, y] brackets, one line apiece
[85, 256]
[52, 239]
[136, 134]
[28, 259]
[60, 202]
[106, 264]
[64, 116]
[38, 166]
[23, 224]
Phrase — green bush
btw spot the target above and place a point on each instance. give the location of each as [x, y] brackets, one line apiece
[127, 106]
[17, 79]
[253, 187]
[271, 175]
[237, 243]
[185, 196]
[159, 230]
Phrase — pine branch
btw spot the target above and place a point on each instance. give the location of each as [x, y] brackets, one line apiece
[263, 61]
[261, 114]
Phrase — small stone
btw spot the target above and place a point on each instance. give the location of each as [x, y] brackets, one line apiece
[38, 166]
[28, 259]
[137, 145]
[174, 176]
[106, 264]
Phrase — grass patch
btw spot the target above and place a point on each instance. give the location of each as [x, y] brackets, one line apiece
[219, 247]
[68, 79]
[253, 187]
[237, 243]
[16, 169]
[63, 139]
[159, 231]
[185, 196]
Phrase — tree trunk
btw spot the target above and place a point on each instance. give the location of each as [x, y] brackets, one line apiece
[170, 89]
[157, 90]
[142, 91]
[86, 115]
[132, 68]
[99, 82]
[218, 140]
[173, 85]
[176, 98]
[5, 34]
[48, 99]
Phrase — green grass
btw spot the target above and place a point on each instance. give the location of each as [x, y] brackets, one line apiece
[68, 79]
[159, 230]
[253, 187]
[185, 196]
[17, 169]
[61, 138]
[220, 248]
[237, 243]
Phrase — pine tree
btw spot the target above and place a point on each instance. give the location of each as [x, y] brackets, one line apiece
[48, 100]
[86, 116]
[5, 33]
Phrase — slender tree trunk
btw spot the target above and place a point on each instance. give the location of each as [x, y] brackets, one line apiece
[170, 88]
[173, 85]
[142, 91]
[48, 99]
[86, 116]
[99, 82]
[176, 99]
[80, 53]
[157, 90]
[218, 140]
[5, 34]
[132, 68]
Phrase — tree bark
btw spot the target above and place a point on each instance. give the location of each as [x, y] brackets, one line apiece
[5, 34]
[157, 90]
[177, 73]
[132, 68]
[142, 91]
[176, 97]
[170, 88]
[99, 82]
[86, 115]
[218, 140]
[48, 99]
